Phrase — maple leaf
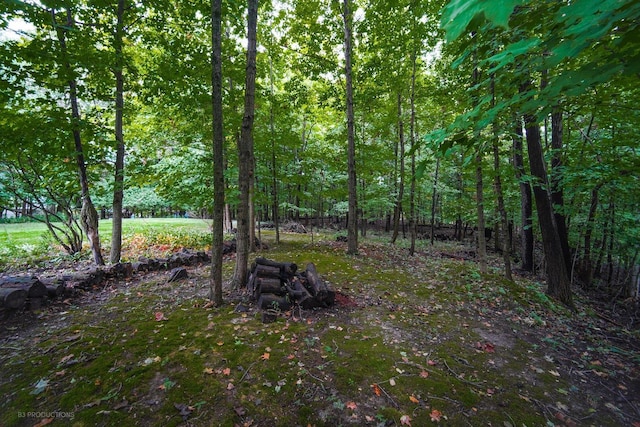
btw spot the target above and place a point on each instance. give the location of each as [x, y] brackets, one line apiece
[226, 371]
[413, 399]
[376, 389]
[424, 374]
[265, 356]
[352, 405]
[435, 415]
[160, 316]
[208, 371]
[405, 420]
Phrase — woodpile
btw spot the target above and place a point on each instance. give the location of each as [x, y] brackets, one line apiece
[32, 292]
[278, 286]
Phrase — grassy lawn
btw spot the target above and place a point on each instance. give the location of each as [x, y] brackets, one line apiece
[32, 233]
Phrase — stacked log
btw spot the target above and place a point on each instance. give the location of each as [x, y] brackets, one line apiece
[18, 291]
[279, 286]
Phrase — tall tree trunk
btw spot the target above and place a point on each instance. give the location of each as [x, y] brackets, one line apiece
[587, 262]
[88, 213]
[502, 211]
[215, 285]
[526, 203]
[481, 238]
[434, 196]
[118, 183]
[399, 159]
[352, 220]
[557, 196]
[245, 145]
[558, 283]
[413, 223]
[274, 170]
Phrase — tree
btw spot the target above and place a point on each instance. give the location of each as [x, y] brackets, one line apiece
[88, 214]
[118, 186]
[215, 292]
[245, 151]
[352, 220]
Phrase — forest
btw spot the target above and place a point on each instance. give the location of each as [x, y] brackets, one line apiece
[513, 116]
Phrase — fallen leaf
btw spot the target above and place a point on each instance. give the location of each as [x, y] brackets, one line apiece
[44, 422]
[265, 356]
[431, 362]
[376, 389]
[160, 316]
[405, 420]
[185, 410]
[226, 371]
[352, 405]
[435, 415]
[413, 399]
[208, 371]
[424, 374]
[230, 386]
[392, 382]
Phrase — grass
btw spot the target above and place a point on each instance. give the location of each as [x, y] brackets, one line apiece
[26, 245]
[429, 339]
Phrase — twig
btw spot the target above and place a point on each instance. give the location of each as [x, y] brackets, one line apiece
[393, 402]
[458, 376]
[312, 376]
[246, 372]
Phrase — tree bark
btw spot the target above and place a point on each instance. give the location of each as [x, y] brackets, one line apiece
[215, 286]
[413, 223]
[118, 183]
[558, 283]
[352, 221]
[88, 213]
[274, 170]
[526, 203]
[245, 145]
[557, 196]
[506, 246]
[397, 212]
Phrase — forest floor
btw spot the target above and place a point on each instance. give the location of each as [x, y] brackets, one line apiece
[411, 341]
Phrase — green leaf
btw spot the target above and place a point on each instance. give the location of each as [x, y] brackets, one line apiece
[458, 14]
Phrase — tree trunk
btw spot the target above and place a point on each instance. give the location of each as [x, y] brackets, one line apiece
[352, 223]
[215, 287]
[526, 203]
[88, 213]
[506, 244]
[118, 184]
[413, 223]
[482, 240]
[558, 283]
[400, 158]
[557, 196]
[245, 144]
[274, 171]
[434, 196]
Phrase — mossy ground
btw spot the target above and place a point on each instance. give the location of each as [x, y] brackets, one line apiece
[415, 340]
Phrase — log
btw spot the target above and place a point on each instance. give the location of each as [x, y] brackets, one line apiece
[300, 294]
[288, 269]
[13, 297]
[274, 302]
[55, 286]
[267, 285]
[34, 287]
[178, 273]
[261, 270]
[319, 289]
